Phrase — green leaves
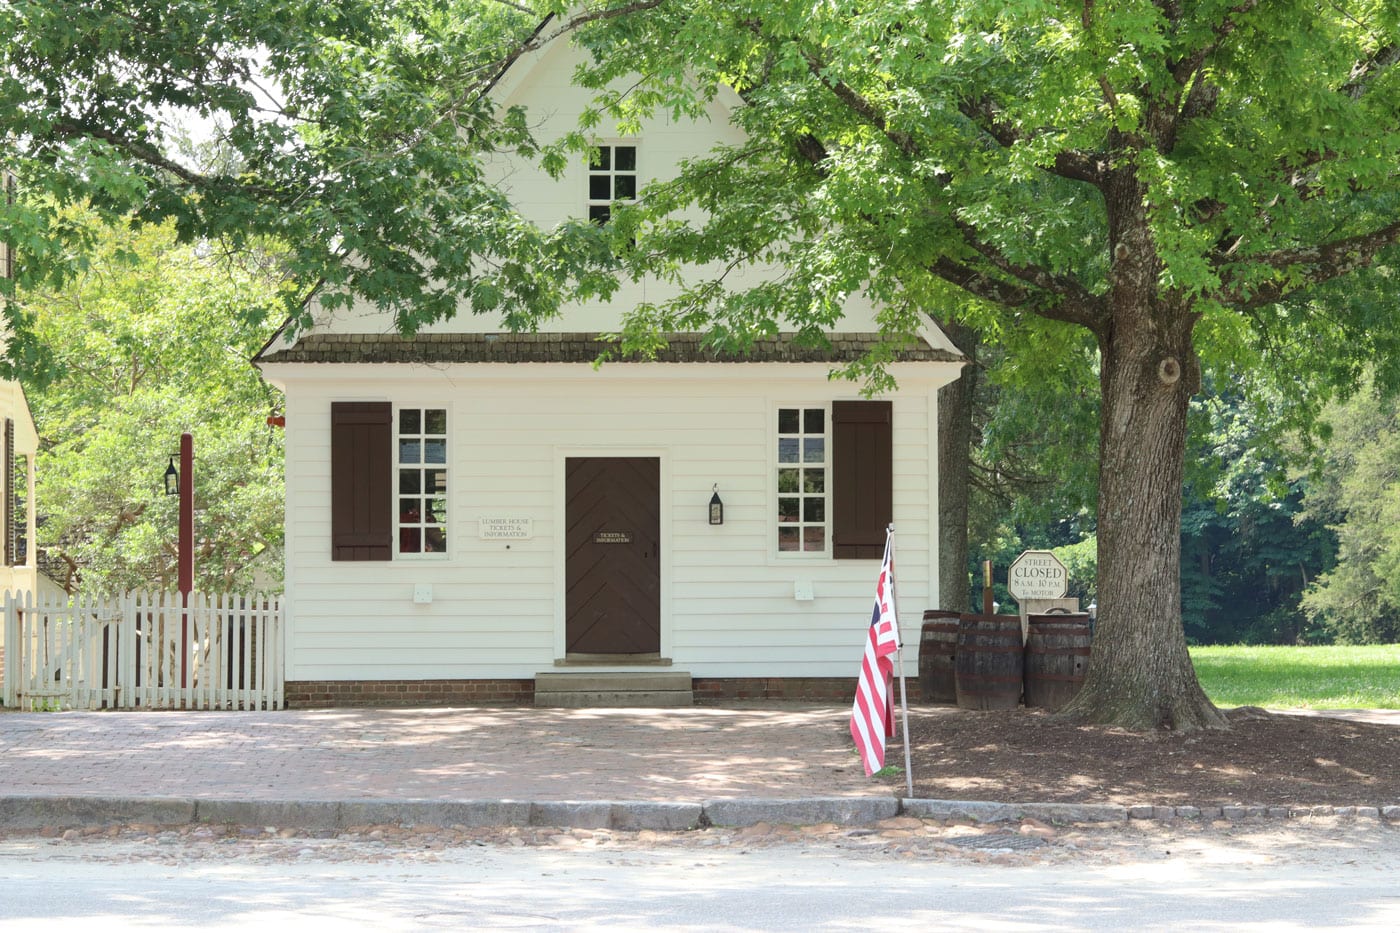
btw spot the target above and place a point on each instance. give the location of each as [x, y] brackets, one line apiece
[353, 131]
[1357, 492]
[151, 341]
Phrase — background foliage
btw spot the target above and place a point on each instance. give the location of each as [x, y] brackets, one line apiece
[149, 339]
[1356, 493]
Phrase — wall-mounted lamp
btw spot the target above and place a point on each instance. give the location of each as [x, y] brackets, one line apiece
[172, 479]
[716, 508]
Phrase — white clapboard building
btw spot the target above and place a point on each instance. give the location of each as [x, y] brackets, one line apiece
[472, 513]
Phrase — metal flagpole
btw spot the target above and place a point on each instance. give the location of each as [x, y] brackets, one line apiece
[899, 661]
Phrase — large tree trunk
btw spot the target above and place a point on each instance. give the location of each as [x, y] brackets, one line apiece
[954, 462]
[1140, 674]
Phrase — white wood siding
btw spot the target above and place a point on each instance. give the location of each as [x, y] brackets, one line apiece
[542, 84]
[727, 596]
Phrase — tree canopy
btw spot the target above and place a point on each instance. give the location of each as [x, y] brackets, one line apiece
[1165, 178]
[1357, 492]
[153, 340]
[354, 132]
[1163, 175]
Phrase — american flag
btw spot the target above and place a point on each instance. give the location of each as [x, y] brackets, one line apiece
[872, 714]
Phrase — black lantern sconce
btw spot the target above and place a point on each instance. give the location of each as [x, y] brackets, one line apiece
[172, 479]
[716, 508]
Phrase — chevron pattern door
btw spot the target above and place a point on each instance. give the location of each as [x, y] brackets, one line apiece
[612, 560]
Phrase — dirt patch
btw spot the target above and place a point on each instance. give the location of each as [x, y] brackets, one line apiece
[1264, 759]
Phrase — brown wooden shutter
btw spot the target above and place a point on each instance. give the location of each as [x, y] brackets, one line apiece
[361, 481]
[862, 480]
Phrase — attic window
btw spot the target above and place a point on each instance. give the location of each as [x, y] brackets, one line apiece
[612, 176]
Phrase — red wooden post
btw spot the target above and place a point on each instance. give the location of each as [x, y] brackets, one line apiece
[987, 598]
[186, 547]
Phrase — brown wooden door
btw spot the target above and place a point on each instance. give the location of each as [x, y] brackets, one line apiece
[612, 564]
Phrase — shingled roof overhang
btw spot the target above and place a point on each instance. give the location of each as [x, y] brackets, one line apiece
[578, 348]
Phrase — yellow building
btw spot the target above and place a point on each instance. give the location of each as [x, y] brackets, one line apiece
[18, 564]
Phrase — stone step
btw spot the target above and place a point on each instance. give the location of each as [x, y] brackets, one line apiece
[590, 699]
[612, 680]
[580, 690]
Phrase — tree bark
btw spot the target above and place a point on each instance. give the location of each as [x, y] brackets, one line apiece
[954, 462]
[1140, 674]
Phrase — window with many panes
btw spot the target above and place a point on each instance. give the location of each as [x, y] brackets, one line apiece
[420, 452]
[802, 480]
[612, 176]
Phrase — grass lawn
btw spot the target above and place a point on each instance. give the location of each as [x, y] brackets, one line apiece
[1324, 677]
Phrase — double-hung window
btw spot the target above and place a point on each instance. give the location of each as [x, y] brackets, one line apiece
[834, 479]
[389, 481]
[802, 480]
[421, 467]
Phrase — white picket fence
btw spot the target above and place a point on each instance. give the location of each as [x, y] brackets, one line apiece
[143, 651]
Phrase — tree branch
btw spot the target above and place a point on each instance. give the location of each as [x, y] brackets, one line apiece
[1200, 93]
[1052, 296]
[980, 285]
[1186, 68]
[857, 103]
[143, 152]
[1364, 74]
[1074, 164]
[1042, 279]
[1315, 263]
[152, 156]
[533, 43]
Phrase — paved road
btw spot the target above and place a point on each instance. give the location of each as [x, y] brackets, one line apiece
[104, 886]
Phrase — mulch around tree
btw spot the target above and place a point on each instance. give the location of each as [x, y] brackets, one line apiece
[1265, 758]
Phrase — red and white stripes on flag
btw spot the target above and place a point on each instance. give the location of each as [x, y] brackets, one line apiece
[872, 714]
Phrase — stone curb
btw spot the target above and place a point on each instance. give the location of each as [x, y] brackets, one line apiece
[802, 811]
[37, 812]
[986, 812]
[34, 812]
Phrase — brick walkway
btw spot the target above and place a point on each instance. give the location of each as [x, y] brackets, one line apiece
[437, 754]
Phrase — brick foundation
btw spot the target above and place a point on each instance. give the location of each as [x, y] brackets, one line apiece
[323, 694]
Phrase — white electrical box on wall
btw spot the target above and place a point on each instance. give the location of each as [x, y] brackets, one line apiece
[422, 592]
[802, 591]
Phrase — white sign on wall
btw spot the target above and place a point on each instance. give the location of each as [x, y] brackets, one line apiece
[1037, 575]
[496, 529]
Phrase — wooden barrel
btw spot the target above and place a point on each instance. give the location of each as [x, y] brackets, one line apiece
[989, 665]
[938, 647]
[1057, 654]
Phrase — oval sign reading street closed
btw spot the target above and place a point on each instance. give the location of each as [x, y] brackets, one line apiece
[1037, 575]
